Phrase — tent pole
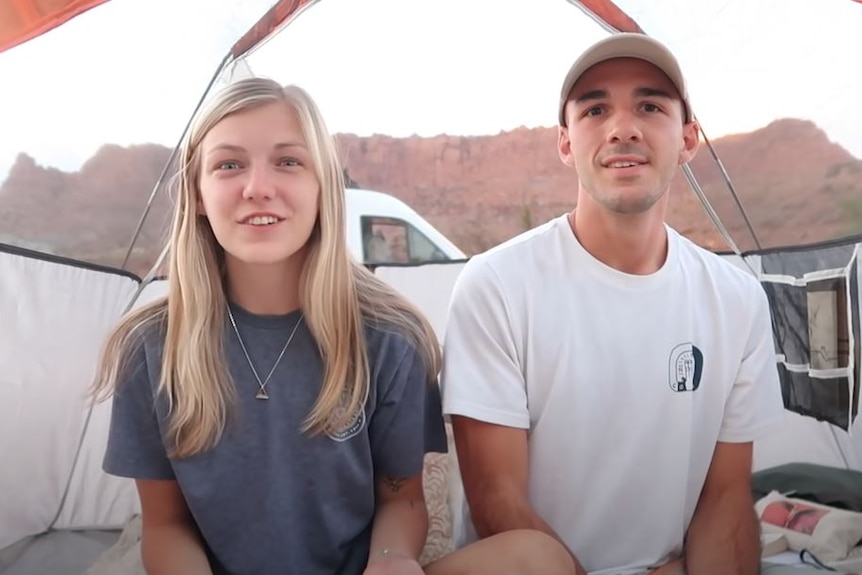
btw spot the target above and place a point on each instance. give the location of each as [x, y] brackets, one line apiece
[170, 161]
[730, 185]
[716, 221]
[129, 305]
[137, 293]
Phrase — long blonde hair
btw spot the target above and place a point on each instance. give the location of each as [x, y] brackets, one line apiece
[339, 297]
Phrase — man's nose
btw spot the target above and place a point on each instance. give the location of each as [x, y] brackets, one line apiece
[624, 127]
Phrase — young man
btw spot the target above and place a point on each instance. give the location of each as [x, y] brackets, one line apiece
[605, 377]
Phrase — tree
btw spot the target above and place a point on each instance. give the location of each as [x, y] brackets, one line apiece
[348, 181]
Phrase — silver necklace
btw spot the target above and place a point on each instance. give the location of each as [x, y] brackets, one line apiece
[261, 392]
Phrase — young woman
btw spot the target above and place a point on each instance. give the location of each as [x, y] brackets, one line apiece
[275, 408]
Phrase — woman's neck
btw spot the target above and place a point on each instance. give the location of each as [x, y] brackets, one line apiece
[265, 289]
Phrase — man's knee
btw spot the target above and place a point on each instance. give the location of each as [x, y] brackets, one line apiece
[517, 552]
[537, 552]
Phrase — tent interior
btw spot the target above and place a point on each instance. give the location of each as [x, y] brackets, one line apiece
[776, 189]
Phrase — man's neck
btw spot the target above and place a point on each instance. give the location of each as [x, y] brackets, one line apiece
[634, 244]
[265, 289]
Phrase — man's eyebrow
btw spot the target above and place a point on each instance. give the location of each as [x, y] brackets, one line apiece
[591, 95]
[653, 93]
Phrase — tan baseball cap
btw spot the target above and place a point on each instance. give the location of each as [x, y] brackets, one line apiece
[626, 45]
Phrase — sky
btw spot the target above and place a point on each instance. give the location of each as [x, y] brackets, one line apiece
[132, 71]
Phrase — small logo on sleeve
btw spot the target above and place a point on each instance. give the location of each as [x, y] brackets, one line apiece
[686, 367]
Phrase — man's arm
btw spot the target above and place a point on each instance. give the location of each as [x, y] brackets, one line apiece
[493, 463]
[724, 535]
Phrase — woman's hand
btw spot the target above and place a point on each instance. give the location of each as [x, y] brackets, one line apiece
[393, 565]
[676, 567]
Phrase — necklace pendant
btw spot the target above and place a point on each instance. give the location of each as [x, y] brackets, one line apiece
[261, 394]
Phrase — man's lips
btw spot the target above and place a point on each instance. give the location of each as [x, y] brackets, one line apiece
[627, 161]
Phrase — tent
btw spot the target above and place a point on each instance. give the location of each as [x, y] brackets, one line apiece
[59, 512]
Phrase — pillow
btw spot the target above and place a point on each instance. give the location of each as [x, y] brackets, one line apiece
[124, 557]
[772, 544]
[435, 481]
[830, 534]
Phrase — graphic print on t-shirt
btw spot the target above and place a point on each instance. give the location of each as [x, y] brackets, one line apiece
[357, 422]
[686, 367]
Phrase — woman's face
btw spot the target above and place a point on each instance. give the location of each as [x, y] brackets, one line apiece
[258, 186]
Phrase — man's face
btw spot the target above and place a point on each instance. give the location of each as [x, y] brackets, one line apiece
[625, 134]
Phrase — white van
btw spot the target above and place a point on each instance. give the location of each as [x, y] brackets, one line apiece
[381, 229]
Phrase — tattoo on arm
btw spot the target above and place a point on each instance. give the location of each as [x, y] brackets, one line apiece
[394, 482]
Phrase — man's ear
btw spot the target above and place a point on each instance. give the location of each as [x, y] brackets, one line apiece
[690, 142]
[564, 147]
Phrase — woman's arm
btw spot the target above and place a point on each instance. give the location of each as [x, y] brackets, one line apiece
[400, 526]
[170, 542]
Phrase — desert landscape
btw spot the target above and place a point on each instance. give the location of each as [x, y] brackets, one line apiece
[795, 184]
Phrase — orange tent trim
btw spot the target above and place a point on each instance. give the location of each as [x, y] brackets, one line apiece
[23, 20]
[268, 24]
[613, 15]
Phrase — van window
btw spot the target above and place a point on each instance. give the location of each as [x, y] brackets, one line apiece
[394, 241]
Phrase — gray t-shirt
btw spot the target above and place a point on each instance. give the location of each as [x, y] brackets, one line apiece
[269, 499]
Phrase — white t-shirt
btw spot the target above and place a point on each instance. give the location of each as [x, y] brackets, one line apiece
[625, 383]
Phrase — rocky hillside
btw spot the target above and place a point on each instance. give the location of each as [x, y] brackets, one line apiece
[796, 185]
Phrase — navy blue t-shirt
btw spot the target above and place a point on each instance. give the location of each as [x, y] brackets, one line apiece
[270, 499]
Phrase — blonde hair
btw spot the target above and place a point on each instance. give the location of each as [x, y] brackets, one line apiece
[339, 297]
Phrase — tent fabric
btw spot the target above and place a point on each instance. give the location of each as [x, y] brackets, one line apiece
[279, 14]
[610, 14]
[62, 553]
[23, 20]
[54, 318]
